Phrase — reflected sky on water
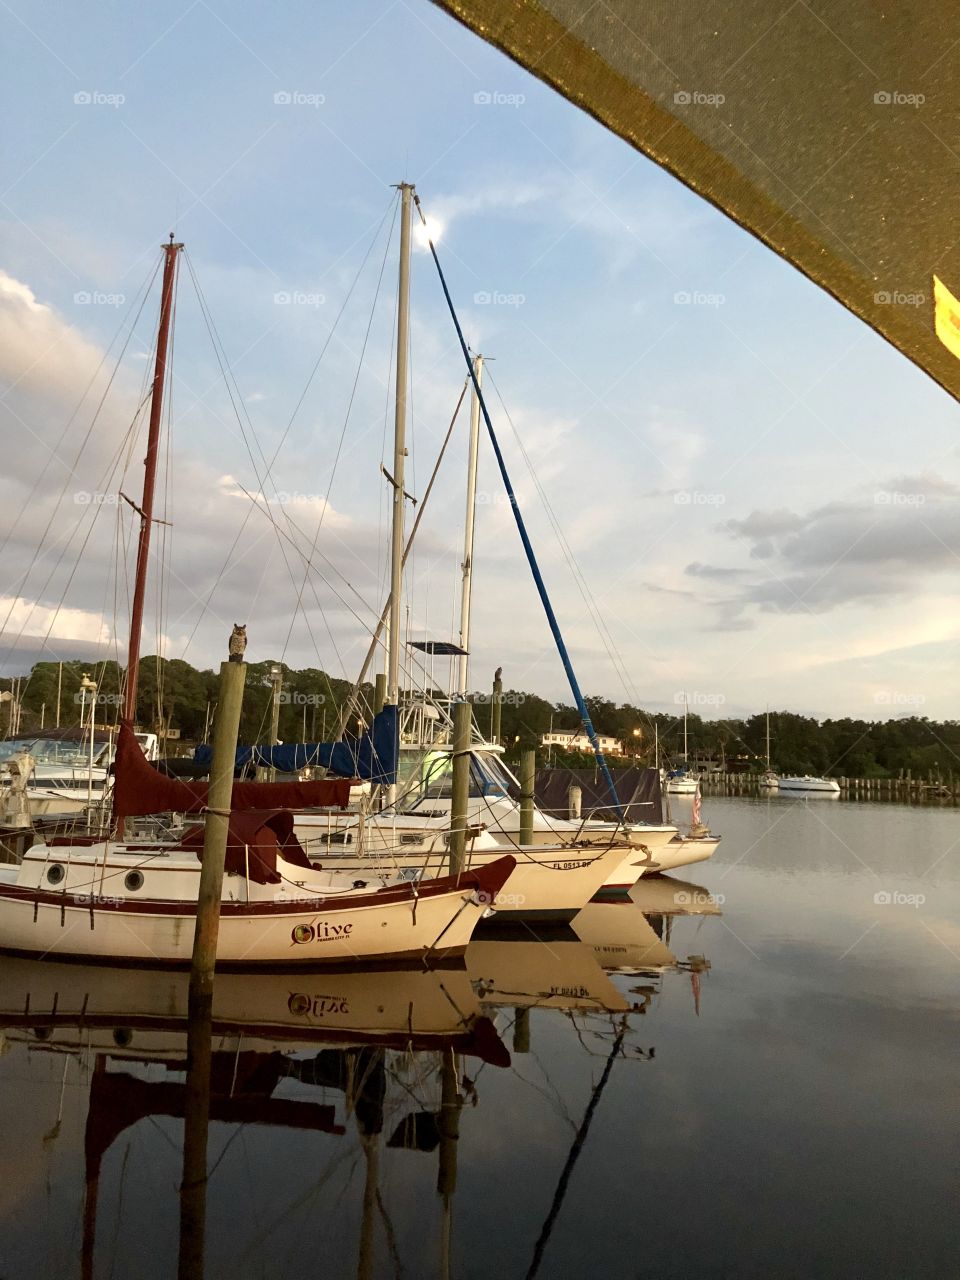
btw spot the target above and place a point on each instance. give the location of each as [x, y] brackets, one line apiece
[761, 1080]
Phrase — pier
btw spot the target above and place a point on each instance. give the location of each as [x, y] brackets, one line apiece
[904, 789]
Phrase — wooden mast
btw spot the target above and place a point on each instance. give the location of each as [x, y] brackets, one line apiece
[150, 478]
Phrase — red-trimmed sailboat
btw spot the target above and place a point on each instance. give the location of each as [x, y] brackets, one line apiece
[130, 899]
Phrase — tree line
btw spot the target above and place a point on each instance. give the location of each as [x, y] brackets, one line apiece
[172, 694]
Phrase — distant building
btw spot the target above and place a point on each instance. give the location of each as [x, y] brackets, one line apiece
[570, 740]
[700, 762]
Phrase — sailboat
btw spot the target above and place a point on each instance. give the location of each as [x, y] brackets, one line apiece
[561, 864]
[768, 779]
[795, 784]
[681, 782]
[130, 898]
[413, 828]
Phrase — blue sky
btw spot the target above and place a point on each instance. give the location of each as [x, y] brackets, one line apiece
[761, 493]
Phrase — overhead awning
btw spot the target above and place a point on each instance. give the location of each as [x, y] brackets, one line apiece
[828, 130]
[441, 648]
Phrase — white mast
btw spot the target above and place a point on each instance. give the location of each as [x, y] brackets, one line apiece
[768, 737]
[468, 529]
[684, 728]
[399, 455]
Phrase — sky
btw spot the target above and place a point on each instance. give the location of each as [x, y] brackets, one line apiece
[759, 499]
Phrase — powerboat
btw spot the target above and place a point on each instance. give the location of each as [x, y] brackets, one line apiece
[807, 785]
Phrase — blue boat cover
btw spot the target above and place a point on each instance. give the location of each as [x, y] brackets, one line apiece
[372, 756]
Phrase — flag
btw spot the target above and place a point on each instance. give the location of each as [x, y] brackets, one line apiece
[695, 814]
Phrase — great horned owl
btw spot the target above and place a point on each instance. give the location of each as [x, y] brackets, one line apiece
[238, 642]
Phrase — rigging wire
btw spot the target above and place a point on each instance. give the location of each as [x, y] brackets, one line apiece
[54, 452]
[586, 595]
[71, 474]
[343, 432]
[269, 465]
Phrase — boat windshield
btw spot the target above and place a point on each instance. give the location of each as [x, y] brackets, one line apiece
[74, 752]
[435, 781]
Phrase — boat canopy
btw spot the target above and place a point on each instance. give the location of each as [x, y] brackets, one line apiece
[825, 130]
[370, 756]
[141, 789]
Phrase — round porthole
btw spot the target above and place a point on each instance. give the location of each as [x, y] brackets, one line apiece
[122, 1037]
[133, 880]
[55, 873]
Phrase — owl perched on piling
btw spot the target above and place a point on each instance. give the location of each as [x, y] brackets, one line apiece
[238, 642]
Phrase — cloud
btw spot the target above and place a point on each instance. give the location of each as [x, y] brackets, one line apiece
[891, 540]
[67, 464]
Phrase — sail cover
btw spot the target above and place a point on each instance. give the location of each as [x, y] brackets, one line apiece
[828, 130]
[371, 756]
[140, 789]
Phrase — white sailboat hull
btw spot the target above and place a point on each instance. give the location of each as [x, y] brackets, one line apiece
[545, 884]
[681, 786]
[683, 851]
[404, 920]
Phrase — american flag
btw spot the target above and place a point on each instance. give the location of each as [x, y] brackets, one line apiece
[695, 813]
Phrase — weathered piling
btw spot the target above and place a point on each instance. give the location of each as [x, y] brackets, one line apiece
[528, 775]
[495, 707]
[574, 802]
[217, 823]
[460, 792]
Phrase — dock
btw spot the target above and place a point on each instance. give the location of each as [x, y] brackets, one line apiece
[904, 789]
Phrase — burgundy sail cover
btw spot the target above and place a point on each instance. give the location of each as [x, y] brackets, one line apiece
[255, 839]
[140, 789]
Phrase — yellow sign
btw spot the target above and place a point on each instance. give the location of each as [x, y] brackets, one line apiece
[946, 317]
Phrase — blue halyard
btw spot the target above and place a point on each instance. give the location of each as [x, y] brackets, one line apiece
[525, 539]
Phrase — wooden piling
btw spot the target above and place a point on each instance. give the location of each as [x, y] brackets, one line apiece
[460, 793]
[216, 826]
[495, 709]
[528, 774]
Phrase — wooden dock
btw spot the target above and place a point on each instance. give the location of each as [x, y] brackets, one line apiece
[904, 789]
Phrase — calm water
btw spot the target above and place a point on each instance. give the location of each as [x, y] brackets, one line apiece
[768, 1087]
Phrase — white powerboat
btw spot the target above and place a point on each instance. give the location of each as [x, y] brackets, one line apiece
[69, 773]
[807, 785]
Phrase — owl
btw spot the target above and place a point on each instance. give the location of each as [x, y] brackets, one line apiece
[238, 642]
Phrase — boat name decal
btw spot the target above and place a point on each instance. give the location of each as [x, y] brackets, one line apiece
[323, 932]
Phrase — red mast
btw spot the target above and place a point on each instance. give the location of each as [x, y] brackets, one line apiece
[150, 477]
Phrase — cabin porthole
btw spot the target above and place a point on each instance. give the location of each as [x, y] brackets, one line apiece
[133, 881]
[55, 873]
[122, 1037]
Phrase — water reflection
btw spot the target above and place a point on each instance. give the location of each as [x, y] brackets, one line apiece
[385, 1061]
